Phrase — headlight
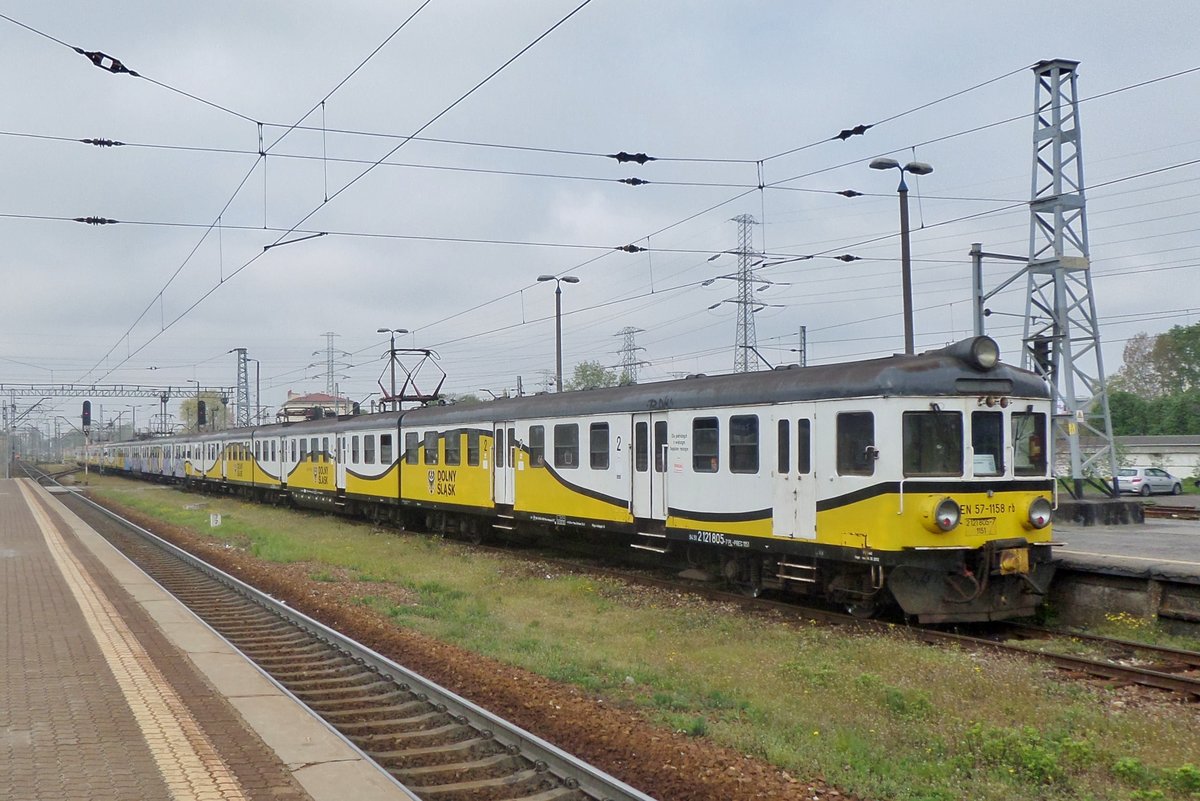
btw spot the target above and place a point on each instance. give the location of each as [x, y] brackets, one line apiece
[1040, 513]
[946, 514]
[985, 352]
[941, 515]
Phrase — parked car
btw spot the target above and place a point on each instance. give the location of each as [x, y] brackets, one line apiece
[1147, 480]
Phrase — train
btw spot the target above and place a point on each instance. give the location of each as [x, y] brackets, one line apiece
[917, 482]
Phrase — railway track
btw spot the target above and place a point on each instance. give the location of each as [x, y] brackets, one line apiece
[435, 743]
[1124, 662]
[1171, 512]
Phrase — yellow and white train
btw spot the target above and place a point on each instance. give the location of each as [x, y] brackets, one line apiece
[919, 480]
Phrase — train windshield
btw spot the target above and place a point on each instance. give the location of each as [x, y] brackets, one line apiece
[1029, 443]
[987, 443]
[933, 443]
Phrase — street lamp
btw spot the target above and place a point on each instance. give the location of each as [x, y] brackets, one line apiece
[916, 168]
[391, 332]
[558, 282]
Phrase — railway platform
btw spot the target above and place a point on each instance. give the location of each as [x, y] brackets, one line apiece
[110, 689]
[1150, 569]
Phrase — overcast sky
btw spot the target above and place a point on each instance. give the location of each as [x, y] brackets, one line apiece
[447, 239]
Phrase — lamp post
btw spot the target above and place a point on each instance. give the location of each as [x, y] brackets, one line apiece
[558, 282]
[391, 332]
[916, 168]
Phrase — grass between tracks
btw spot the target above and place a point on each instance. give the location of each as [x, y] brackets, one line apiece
[878, 716]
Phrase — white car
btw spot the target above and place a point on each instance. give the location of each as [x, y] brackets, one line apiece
[1147, 480]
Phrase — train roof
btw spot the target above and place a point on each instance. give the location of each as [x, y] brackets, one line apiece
[944, 372]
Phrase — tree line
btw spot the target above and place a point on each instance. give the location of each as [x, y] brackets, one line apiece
[1157, 389]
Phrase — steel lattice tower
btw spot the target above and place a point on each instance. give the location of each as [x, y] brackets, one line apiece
[243, 389]
[1062, 333]
[629, 349]
[745, 359]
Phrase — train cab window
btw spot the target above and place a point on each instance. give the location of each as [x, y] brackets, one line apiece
[537, 446]
[598, 446]
[856, 444]
[987, 443]
[743, 443]
[385, 449]
[368, 449]
[706, 444]
[454, 447]
[660, 446]
[354, 449]
[431, 447]
[1029, 443]
[641, 447]
[500, 449]
[412, 444]
[933, 443]
[804, 447]
[566, 445]
[473, 449]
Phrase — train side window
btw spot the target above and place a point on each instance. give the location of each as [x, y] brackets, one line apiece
[385, 449]
[500, 449]
[431, 447]
[743, 443]
[368, 449]
[454, 447]
[354, 449]
[537, 446]
[324, 449]
[641, 449]
[933, 443]
[804, 447]
[598, 446]
[472, 448]
[412, 443]
[312, 449]
[273, 451]
[706, 444]
[987, 443]
[513, 445]
[566, 445]
[1029, 443]
[257, 449]
[303, 449]
[660, 446]
[856, 444]
[785, 447]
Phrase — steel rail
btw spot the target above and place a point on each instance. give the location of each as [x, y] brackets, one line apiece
[575, 773]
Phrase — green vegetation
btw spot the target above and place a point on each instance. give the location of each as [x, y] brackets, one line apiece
[1157, 389]
[878, 716]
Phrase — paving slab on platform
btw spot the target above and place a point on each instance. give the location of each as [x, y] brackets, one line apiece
[110, 689]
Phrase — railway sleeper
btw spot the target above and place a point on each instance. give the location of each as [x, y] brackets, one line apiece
[527, 781]
[489, 767]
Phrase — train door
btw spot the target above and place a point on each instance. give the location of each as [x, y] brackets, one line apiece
[339, 461]
[504, 448]
[649, 468]
[795, 498]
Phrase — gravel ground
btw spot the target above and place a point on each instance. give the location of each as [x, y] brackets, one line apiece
[662, 763]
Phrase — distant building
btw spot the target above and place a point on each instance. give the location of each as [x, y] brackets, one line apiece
[1178, 454]
[314, 406]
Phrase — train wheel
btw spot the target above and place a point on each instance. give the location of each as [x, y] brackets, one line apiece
[863, 610]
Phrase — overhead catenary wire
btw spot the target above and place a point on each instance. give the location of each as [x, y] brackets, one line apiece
[205, 295]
